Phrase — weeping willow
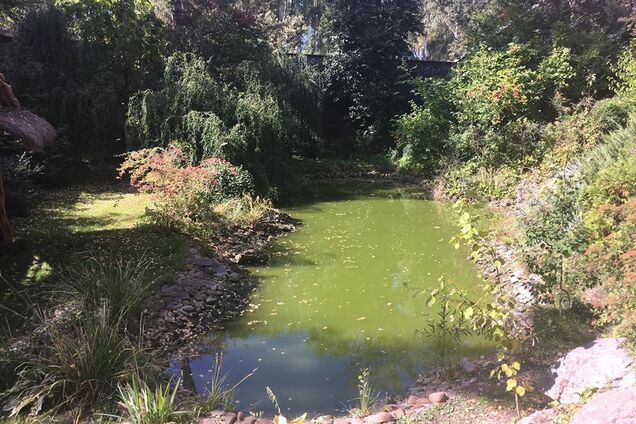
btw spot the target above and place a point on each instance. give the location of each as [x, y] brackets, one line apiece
[266, 114]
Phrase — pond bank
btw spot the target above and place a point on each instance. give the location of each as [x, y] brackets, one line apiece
[213, 287]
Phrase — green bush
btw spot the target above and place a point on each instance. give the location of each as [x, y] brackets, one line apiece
[421, 135]
[193, 199]
[553, 222]
[499, 96]
[624, 80]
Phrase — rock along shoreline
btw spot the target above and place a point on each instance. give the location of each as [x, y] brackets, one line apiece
[213, 286]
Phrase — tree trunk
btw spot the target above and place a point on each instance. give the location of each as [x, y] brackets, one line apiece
[5, 227]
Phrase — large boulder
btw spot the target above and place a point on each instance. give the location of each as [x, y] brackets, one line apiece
[600, 364]
[617, 406]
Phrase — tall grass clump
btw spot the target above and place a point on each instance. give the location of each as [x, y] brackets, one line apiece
[121, 284]
[244, 211]
[367, 395]
[220, 395]
[78, 364]
[143, 405]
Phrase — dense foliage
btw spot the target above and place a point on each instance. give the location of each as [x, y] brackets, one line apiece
[193, 199]
[253, 122]
[367, 39]
[486, 112]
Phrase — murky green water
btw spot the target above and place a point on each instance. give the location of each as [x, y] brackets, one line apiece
[337, 297]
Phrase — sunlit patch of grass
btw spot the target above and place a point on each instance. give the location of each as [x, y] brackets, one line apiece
[107, 211]
[87, 220]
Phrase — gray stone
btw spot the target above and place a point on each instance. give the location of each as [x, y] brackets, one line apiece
[234, 277]
[467, 366]
[202, 261]
[415, 400]
[188, 309]
[399, 412]
[602, 363]
[617, 406]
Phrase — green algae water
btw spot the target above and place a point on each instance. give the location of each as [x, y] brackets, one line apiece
[340, 295]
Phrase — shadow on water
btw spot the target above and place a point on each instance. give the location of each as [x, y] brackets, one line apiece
[340, 191]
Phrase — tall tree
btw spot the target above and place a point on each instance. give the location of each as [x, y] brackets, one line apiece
[368, 42]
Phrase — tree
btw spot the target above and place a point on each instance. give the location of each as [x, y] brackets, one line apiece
[77, 63]
[594, 31]
[367, 41]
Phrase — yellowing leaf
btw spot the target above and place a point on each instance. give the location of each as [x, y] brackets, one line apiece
[468, 313]
[520, 390]
[299, 420]
[511, 384]
[516, 365]
[279, 419]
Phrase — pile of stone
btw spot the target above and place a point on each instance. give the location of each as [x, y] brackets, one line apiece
[207, 291]
[250, 245]
[415, 404]
[515, 280]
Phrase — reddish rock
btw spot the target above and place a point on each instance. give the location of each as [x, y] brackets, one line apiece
[249, 420]
[399, 412]
[617, 406]
[325, 419]
[228, 418]
[355, 420]
[416, 410]
[438, 397]
[340, 421]
[216, 413]
[379, 418]
[264, 421]
[415, 400]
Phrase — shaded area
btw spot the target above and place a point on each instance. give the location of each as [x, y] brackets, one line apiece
[78, 221]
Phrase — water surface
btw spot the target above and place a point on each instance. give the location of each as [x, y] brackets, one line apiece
[340, 295]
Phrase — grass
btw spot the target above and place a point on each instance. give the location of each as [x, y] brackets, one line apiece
[93, 220]
[70, 246]
[244, 211]
[81, 364]
[220, 395]
[143, 405]
[367, 396]
[122, 284]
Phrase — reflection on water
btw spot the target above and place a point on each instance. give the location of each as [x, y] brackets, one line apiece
[339, 296]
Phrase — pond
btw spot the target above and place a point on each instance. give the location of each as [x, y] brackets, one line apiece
[339, 296]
